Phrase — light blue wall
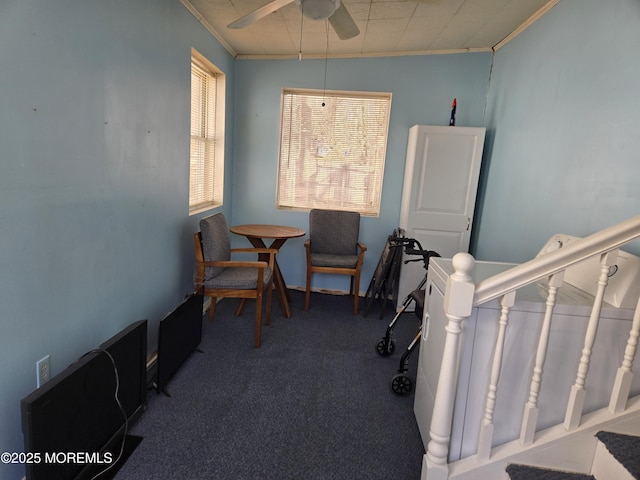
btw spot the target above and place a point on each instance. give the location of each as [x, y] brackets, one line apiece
[94, 114]
[94, 155]
[562, 117]
[422, 89]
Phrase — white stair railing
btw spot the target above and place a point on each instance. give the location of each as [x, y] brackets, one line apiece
[530, 416]
[576, 399]
[486, 429]
[624, 376]
[458, 303]
[461, 295]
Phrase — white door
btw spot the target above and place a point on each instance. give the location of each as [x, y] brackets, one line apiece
[439, 193]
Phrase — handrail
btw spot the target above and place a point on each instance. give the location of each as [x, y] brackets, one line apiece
[538, 268]
[462, 294]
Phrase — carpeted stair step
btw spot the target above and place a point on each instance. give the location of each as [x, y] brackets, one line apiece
[625, 449]
[526, 472]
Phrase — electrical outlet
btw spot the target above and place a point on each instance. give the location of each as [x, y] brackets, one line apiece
[43, 371]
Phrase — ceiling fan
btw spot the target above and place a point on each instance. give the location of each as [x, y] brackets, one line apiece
[334, 10]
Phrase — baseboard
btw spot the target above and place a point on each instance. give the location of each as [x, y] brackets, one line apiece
[327, 291]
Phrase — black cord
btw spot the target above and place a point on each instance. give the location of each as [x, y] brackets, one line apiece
[326, 58]
[301, 23]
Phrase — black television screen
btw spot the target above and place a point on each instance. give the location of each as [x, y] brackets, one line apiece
[179, 334]
[129, 351]
[73, 425]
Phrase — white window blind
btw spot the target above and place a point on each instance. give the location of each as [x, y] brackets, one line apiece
[206, 175]
[332, 150]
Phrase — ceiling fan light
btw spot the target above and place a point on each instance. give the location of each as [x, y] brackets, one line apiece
[319, 9]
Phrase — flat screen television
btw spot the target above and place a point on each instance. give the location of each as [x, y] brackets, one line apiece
[179, 335]
[74, 425]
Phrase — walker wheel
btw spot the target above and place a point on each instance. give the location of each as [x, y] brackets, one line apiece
[385, 347]
[401, 384]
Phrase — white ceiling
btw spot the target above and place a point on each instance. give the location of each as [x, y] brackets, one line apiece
[387, 27]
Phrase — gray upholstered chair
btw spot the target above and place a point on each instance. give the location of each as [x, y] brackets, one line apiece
[333, 247]
[220, 277]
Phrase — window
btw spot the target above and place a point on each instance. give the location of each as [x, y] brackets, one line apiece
[332, 150]
[206, 173]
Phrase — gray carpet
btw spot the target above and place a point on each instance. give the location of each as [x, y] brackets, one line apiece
[314, 402]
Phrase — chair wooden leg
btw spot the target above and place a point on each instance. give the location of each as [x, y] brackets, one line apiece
[258, 320]
[240, 309]
[212, 308]
[269, 297]
[356, 293]
[307, 295]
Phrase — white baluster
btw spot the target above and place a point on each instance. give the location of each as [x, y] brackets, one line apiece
[486, 428]
[530, 415]
[458, 304]
[576, 398]
[622, 385]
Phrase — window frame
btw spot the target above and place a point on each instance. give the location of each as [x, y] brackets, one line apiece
[332, 164]
[215, 139]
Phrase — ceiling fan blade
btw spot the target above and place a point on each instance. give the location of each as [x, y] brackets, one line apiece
[343, 24]
[259, 13]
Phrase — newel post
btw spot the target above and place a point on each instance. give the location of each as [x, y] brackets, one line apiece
[458, 304]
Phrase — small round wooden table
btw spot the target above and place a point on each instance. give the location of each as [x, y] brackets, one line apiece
[255, 233]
